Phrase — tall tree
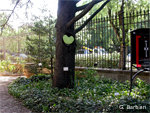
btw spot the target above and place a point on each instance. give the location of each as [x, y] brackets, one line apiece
[65, 52]
[42, 48]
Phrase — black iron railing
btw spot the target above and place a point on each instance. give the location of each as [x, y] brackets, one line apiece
[99, 44]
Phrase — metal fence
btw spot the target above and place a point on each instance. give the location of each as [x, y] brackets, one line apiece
[99, 44]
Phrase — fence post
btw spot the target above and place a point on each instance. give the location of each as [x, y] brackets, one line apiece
[123, 35]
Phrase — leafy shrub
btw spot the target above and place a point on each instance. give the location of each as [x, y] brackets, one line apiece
[91, 94]
[6, 66]
[7, 56]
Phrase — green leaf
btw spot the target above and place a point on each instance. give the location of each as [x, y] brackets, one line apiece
[68, 40]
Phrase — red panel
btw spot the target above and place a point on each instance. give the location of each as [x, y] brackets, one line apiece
[137, 50]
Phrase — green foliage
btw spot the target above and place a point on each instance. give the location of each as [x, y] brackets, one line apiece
[40, 54]
[6, 30]
[39, 28]
[42, 48]
[91, 94]
[6, 66]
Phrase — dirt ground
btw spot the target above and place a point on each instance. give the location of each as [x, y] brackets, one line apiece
[8, 104]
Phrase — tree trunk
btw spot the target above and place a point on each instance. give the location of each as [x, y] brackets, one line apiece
[65, 54]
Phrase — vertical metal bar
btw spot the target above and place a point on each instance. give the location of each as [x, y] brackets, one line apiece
[109, 42]
[131, 67]
[96, 24]
[101, 38]
[144, 19]
[89, 42]
[137, 19]
[107, 66]
[133, 19]
[39, 49]
[95, 38]
[87, 56]
[127, 17]
[131, 78]
[93, 28]
[98, 62]
[123, 35]
[113, 61]
[103, 41]
[141, 18]
[82, 44]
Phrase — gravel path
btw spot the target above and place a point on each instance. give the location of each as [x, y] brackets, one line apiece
[8, 104]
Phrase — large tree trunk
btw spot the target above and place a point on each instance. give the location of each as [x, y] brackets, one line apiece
[65, 55]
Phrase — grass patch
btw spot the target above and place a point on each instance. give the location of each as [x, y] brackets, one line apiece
[91, 94]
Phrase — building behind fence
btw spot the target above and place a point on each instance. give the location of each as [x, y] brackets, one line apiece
[99, 44]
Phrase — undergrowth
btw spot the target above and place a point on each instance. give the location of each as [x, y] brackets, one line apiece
[91, 94]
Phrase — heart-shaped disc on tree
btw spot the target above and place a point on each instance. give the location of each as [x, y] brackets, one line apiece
[67, 39]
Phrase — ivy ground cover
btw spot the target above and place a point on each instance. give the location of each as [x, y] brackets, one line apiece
[91, 94]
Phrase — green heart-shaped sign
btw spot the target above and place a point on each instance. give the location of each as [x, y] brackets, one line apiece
[68, 40]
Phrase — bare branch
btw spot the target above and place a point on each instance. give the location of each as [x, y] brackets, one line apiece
[27, 4]
[29, 1]
[9, 17]
[92, 16]
[90, 5]
[5, 10]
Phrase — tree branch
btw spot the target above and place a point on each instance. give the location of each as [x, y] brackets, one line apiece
[9, 17]
[90, 18]
[112, 24]
[90, 5]
[82, 7]
[5, 10]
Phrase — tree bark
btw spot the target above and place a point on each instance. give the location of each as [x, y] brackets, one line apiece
[65, 54]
